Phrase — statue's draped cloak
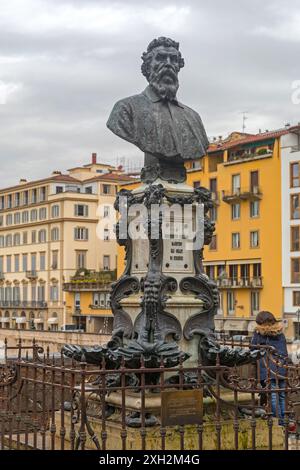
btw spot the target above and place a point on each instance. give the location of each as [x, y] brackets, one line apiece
[159, 127]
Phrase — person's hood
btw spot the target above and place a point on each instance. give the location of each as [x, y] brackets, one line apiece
[269, 330]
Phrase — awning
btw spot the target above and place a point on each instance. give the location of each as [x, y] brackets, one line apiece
[21, 320]
[5, 320]
[38, 320]
[236, 325]
[52, 320]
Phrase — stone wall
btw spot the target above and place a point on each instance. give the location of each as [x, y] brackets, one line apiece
[54, 339]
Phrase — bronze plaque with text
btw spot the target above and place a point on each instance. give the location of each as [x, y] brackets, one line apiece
[181, 407]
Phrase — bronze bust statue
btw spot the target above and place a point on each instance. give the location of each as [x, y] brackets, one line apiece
[159, 125]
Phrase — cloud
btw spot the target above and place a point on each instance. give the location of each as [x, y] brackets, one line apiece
[64, 64]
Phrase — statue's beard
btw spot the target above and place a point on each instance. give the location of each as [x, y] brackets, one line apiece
[165, 82]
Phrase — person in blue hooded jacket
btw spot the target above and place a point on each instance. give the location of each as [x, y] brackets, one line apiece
[269, 333]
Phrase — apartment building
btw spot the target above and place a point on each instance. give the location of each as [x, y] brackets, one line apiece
[254, 256]
[48, 233]
[290, 210]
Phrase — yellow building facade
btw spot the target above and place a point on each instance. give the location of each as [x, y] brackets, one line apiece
[245, 257]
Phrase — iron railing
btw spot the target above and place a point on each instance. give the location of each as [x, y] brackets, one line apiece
[49, 402]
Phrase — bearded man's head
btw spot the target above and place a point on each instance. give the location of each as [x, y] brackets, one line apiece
[161, 65]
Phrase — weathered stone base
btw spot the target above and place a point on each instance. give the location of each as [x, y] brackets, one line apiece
[173, 436]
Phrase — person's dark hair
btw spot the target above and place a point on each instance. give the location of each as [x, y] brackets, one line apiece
[147, 56]
[265, 317]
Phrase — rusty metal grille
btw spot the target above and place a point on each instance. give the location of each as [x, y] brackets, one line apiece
[49, 402]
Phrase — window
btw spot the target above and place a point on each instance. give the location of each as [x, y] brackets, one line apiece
[235, 240]
[254, 239]
[42, 213]
[42, 261]
[25, 217]
[2, 244]
[106, 262]
[25, 262]
[236, 183]
[213, 185]
[213, 244]
[295, 212]
[256, 270]
[1, 264]
[295, 238]
[33, 261]
[54, 293]
[197, 184]
[25, 239]
[33, 236]
[33, 196]
[235, 211]
[295, 270]
[106, 211]
[230, 303]
[81, 233]
[33, 292]
[17, 199]
[59, 189]
[2, 205]
[43, 194]
[106, 234]
[25, 198]
[55, 211]
[41, 293]
[233, 272]
[80, 259]
[33, 215]
[8, 263]
[213, 214]
[54, 264]
[254, 303]
[42, 236]
[9, 201]
[294, 175]
[8, 240]
[210, 271]
[55, 234]
[89, 190]
[77, 300]
[254, 209]
[17, 239]
[1, 220]
[17, 218]
[17, 263]
[81, 210]
[106, 188]
[254, 181]
[245, 271]
[296, 298]
[9, 219]
[196, 164]
[25, 292]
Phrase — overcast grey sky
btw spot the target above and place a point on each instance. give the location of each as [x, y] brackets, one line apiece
[64, 63]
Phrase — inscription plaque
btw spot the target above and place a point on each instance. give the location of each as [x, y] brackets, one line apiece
[181, 407]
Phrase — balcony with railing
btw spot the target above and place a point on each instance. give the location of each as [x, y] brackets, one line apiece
[240, 283]
[86, 280]
[23, 304]
[32, 274]
[242, 194]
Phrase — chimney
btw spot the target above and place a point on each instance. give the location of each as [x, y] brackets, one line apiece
[56, 172]
[94, 158]
[23, 180]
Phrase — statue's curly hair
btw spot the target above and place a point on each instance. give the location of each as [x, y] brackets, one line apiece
[147, 56]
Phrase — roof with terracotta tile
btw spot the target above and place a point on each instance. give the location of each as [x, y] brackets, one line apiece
[224, 145]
